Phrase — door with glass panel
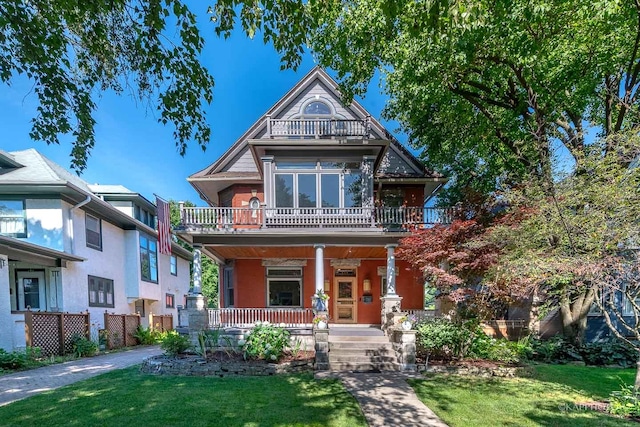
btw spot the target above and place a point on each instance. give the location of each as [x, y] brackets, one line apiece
[346, 300]
[31, 290]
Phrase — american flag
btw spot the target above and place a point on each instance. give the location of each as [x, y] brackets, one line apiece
[164, 226]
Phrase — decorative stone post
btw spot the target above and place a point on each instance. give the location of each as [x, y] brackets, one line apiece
[196, 307]
[404, 344]
[321, 338]
[390, 301]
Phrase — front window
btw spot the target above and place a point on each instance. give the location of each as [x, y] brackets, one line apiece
[284, 287]
[100, 292]
[148, 259]
[174, 265]
[318, 185]
[13, 218]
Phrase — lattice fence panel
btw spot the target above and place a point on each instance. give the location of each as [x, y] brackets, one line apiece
[131, 325]
[44, 329]
[162, 322]
[114, 324]
[75, 324]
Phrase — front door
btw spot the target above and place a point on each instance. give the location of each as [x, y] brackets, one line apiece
[346, 300]
[31, 290]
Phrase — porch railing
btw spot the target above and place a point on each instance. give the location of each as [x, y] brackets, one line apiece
[247, 317]
[391, 219]
[317, 128]
[421, 314]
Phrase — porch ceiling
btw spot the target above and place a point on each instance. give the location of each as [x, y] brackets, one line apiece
[305, 252]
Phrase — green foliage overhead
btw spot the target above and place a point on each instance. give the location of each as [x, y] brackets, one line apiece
[74, 50]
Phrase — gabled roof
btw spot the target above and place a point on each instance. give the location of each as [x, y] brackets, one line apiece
[239, 150]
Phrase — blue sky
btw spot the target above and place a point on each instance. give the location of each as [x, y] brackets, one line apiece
[133, 150]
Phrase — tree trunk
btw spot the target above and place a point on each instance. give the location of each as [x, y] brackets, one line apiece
[574, 315]
[637, 383]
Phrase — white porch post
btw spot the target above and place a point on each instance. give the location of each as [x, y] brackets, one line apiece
[319, 267]
[197, 270]
[391, 271]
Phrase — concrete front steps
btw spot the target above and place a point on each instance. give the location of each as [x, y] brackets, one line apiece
[360, 349]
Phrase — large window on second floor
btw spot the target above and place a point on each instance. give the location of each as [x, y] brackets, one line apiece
[317, 185]
[13, 220]
[148, 259]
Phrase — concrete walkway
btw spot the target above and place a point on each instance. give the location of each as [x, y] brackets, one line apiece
[24, 384]
[387, 399]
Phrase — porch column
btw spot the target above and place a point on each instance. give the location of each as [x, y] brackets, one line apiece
[366, 192]
[6, 332]
[391, 271]
[197, 270]
[267, 169]
[319, 267]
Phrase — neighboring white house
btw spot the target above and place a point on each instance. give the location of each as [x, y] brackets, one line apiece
[69, 246]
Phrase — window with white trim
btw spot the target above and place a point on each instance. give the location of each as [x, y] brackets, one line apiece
[148, 259]
[13, 218]
[173, 263]
[284, 287]
[321, 184]
[93, 231]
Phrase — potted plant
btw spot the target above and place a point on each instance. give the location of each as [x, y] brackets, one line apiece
[407, 321]
[320, 300]
[321, 321]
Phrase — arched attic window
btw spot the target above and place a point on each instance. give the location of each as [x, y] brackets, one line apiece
[317, 108]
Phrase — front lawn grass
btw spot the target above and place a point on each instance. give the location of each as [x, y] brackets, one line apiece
[128, 398]
[547, 398]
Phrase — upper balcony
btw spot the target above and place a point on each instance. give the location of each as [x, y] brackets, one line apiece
[216, 219]
[318, 128]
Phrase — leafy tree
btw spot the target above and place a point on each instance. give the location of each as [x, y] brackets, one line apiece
[74, 50]
[209, 268]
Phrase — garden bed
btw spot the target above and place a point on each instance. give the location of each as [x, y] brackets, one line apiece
[226, 364]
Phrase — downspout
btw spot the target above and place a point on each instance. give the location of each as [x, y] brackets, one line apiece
[70, 221]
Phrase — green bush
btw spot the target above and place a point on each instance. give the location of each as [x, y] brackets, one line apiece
[613, 352]
[266, 341]
[173, 343]
[445, 339]
[83, 347]
[625, 402]
[146, 336]
[554, 350]
[500, 350]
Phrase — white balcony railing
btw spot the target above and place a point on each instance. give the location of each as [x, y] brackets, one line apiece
[247, 317]
[317, 128]
[390, 219]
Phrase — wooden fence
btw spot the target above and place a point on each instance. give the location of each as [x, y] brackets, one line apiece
[120, 329]
[511, 329]
[161, 322]
[53, 333]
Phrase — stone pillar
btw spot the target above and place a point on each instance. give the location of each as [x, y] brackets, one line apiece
[390, 313]
[197, 270]
[404, 344]
[390, 291]
[321, 338]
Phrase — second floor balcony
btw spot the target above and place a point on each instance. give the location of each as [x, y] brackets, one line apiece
[357, 218]
[317, 128]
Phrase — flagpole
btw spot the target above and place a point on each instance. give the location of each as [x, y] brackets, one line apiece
[161, 198]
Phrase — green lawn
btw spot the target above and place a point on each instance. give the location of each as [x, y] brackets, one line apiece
[128, 398]
[547, 398]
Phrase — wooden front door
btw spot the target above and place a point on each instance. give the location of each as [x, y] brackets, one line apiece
[345, 307]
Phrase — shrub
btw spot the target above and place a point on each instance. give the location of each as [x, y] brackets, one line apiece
[146, 336]
[173, 343]
[266, 341]
[82, 346]
[554, 350]
[500, 350]
[445, 339]
[625, 402]
[613, 352]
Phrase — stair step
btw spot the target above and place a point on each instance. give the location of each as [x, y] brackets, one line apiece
[360, 359]
[358, 338]
[383, 351]
[358, 345]
[350, 366]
